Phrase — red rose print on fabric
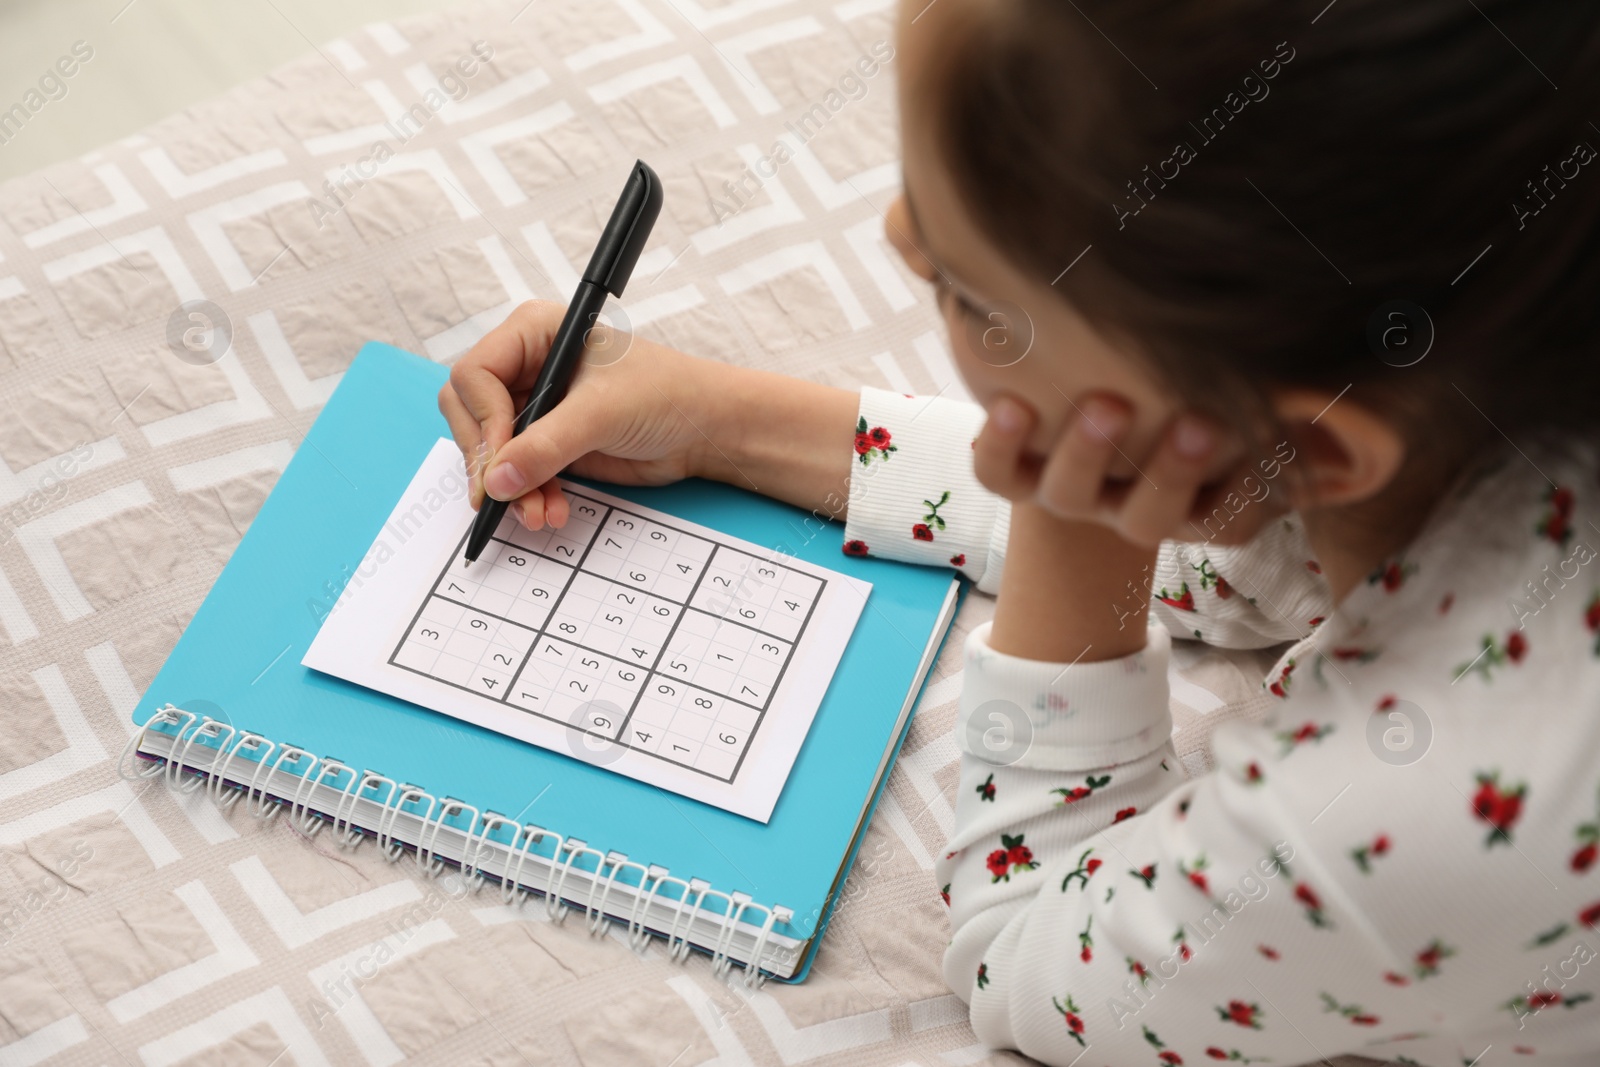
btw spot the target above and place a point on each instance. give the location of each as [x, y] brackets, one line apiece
[986, 788]
[1498, 806]
[944, 894]
[1557, 522]
[1280, 686]
[1183, 599]
[1391, 575]
[1588, 835]
[872, 443]
[1533, 1003]
[1086, 942]
[1241, 1013]
[920, 532]
[1365, 854]
[1196, 873]
[1232, 1055]
[1550, 936]
[1357, 1015]
[1313, 566]
[1428, 960]
[1591, 620]
[1493, 654]
[1252, 773]
[1087, 865]
[933, 518]
[1073, 794]
[1145, 874]
[1590, 916]
[958, 560]
[1163, 1054]
[1210, 579]
[1011, 857]
[983, 975]
[1069, 1013]
[1354, 654]
[1139, 971]
[1306, 733]
[1269, 952]
[1181, 939]
[1124, 813]
[1312, 904]
[855, 548]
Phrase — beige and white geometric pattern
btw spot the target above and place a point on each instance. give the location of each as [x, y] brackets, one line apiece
[372, 190]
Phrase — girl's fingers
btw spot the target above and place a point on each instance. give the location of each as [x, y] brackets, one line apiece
[1164, 494]
[545, 506]
[573, 428]
[468, 437]
[1072, 484]
[506, 360]
[998, 455]
[557, 508]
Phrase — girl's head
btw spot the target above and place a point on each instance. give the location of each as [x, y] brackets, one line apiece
[1213, 206]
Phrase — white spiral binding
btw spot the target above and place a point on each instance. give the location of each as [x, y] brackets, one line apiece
[432, 865]
[678, 947]
[473, 849]
[638, 934]
[555, 907]
[219, 778]
[399, 797]
[296, 811]
[352, 834]
[226, 743]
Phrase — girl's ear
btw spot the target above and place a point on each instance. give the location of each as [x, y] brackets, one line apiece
[1344, 453]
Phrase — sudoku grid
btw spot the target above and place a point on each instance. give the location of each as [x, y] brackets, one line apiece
[625, 627]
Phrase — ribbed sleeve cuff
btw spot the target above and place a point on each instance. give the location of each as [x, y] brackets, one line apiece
[913, 494]
[1063, 716]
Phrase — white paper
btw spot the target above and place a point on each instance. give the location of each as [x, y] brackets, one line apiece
[630, 639]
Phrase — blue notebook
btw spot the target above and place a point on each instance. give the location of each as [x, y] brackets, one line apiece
[234, 706]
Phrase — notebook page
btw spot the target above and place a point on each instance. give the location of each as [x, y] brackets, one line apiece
[629, 639]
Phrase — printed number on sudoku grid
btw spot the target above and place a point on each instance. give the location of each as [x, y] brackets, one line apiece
[619, 626]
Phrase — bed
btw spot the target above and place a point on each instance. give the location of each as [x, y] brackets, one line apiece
[175, 308]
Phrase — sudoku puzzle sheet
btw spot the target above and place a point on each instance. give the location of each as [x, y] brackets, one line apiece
[630, 639]
[627, 627]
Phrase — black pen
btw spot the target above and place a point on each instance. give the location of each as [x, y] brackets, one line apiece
[613, 261]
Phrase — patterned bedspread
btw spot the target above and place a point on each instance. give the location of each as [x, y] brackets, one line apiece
[175, 308]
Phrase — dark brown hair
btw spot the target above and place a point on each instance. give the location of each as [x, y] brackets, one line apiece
[1336, 162]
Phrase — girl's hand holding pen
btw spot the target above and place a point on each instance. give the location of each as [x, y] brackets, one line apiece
[628, 417]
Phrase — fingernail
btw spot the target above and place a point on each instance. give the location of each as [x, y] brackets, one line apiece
[1008, 416]
[1102, 419]
[1192, 437]
[504, 482]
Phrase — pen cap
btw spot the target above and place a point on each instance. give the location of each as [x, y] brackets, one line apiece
[623, 239]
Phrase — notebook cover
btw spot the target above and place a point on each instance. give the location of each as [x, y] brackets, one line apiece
[239, 660]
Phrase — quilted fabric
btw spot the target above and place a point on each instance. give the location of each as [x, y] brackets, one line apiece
[375, 190]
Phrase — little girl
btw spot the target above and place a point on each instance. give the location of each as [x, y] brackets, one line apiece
[1193, 256]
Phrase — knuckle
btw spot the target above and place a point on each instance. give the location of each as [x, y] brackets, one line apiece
[534, 311]
[538, 454]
